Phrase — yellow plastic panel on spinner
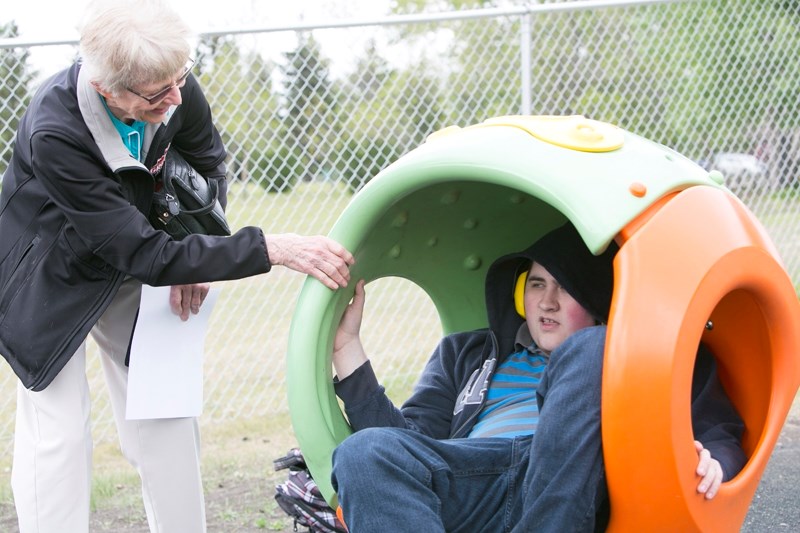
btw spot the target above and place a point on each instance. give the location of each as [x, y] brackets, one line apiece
[574, 132]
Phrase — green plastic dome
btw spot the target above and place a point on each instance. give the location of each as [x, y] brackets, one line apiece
[443, 212]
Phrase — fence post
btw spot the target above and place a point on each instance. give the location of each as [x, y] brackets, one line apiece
[525, 63]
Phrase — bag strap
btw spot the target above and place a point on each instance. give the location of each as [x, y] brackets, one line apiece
[292, 459]
[214, 186]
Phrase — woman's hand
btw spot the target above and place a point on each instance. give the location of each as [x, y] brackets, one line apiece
[184, 299]
[318, 256]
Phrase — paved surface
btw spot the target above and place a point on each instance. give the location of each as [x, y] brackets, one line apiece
[776, 505]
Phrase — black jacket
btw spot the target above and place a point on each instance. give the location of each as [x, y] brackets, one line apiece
[73, 221]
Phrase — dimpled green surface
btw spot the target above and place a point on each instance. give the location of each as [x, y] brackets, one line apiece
[440, 215]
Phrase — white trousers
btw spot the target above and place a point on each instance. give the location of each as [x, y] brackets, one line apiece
[52, 469]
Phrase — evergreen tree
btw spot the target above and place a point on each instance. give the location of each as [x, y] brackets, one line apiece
[309, 111]
[388, 112]
[245, 107]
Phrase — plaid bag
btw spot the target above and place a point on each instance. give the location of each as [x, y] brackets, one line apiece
[301, 499]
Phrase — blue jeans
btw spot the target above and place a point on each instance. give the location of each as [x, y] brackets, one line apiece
[391, 479]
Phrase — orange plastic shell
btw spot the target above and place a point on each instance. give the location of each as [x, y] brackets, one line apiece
[699, 257]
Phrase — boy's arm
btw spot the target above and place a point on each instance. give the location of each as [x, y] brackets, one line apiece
[365, 400]
[715, 422]
[709, 470]
[348, 352]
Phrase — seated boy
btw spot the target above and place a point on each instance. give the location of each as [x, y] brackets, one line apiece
[502, 431]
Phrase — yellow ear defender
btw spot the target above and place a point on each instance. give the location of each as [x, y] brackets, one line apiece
[519, 293]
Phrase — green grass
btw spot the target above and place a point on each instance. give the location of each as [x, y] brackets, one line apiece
[323, 202]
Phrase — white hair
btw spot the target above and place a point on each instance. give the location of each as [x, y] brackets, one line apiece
[130, 43]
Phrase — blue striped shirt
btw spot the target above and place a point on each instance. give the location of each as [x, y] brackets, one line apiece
[511, 409]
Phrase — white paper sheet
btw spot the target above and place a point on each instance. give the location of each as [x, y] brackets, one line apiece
[165, 376]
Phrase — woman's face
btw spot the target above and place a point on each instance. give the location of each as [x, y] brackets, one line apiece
[149, 102]
[551, 313]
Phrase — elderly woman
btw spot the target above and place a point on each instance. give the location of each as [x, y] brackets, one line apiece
[76, 245]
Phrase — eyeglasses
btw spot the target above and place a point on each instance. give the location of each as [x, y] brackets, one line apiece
[160, 95]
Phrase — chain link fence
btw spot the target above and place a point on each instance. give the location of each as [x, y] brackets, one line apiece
[311, 112]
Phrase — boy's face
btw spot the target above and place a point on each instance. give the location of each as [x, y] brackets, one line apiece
[551, 313]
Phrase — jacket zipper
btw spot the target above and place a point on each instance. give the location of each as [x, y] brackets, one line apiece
[461, 429]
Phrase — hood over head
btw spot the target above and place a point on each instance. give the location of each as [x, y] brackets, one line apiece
[588, 278]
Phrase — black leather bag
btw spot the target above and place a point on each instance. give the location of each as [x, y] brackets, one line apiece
[186, 202]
